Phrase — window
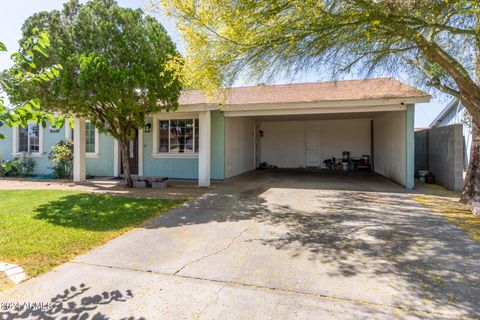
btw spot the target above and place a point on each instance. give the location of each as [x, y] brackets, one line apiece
[178, 136]
[90, 139]
[29, 138]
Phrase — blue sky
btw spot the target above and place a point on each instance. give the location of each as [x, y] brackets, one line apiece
[13, 13]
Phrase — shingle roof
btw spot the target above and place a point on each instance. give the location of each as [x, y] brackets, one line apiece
[377, 88]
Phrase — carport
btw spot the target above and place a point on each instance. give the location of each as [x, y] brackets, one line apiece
[301, 125]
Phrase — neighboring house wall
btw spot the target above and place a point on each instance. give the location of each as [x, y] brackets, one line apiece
[284, 142]
[390, 146]
[239, 145]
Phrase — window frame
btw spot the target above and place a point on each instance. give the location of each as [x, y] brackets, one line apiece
[96, 153]
[16, 141]
[156, 135]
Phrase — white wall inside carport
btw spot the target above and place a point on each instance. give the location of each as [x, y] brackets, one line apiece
[284, 142]
[390, 146]
[239, 145]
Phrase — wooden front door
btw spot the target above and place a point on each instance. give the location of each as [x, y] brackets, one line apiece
[132, 154]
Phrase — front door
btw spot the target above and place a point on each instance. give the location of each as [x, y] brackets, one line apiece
[132, 154]
[312, 151]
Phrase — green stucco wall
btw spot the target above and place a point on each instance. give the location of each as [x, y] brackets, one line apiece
[410, 150]
[103, 165]
[217, 170]
[180, 168]
[187, 168]
[42, 164]
[6, 144]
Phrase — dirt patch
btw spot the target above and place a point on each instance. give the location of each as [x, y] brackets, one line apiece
[5, 282]
[176, 190]
[455, 212]
[435, 190]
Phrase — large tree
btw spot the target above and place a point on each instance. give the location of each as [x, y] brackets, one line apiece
[435, 42]
[119, 65]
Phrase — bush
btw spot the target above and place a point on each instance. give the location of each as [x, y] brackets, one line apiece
[62, 156]
[18, 166]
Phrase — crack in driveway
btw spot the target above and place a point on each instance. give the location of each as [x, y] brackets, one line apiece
[226, 283]
[228, 246]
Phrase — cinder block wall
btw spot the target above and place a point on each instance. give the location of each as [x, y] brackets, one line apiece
[441, 149]
[421, 149]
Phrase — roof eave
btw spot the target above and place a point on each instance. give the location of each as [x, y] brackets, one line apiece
[444, 111]
[319, 104]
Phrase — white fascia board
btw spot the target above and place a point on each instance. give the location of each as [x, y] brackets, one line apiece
[300, 105]
[329, 110]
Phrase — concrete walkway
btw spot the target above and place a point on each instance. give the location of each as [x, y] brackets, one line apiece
[274, 245]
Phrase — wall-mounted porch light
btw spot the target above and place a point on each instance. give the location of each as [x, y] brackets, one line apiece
[148, 128]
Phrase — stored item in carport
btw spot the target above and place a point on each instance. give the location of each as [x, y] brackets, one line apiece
[430, 178]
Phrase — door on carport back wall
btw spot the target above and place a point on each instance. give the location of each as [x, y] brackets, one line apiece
[132, 154]
[312, 152]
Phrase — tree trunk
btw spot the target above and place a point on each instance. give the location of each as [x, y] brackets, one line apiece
[127, 177]
[471, 189]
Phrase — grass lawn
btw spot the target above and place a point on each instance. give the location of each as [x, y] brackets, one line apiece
[40, 229]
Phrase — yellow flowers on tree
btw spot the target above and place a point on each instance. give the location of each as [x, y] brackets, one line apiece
[436, 42]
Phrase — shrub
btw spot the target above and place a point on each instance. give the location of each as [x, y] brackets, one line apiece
[62, 156]
[18, 166]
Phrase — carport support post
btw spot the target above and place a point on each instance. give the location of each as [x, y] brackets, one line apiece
[205, 149]
[79, 150]
[410, 150]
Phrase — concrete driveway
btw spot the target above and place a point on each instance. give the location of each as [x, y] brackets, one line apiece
[274, 245]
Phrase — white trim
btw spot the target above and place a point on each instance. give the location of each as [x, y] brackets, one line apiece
[97, 140]
[303, 105]
[140, 151]
[313, 111]
[15, 142]
[155, 132]
[116, 158]
[79, 173]
[68, 131]
[204, 155]
[27, 154]
[172, 155]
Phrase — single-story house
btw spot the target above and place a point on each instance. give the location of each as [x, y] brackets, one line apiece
[455, 113]
[288, 126]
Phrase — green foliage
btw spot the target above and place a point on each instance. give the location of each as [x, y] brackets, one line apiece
[116, 65]
[62, 156]
[17, 167]
[119, 65]
[431, 41]
[26, 74]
